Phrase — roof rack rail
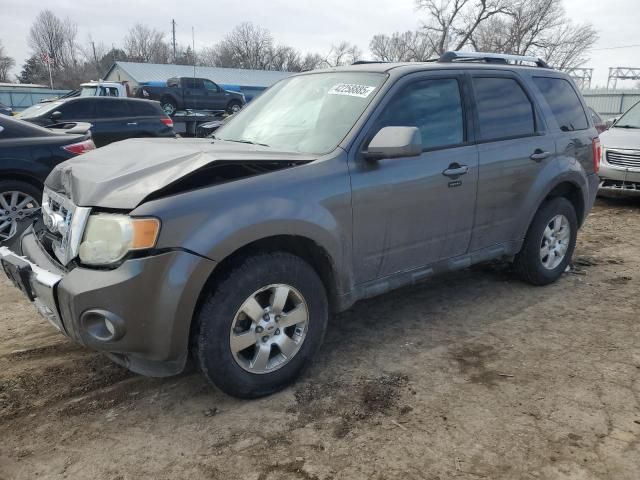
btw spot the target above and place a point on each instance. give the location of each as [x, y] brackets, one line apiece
[367, 62]
[448, 57]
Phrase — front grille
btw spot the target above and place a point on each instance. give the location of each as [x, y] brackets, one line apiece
[624, 158]
[66, 223]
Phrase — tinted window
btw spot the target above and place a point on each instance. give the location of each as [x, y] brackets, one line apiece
[76, 110]
[434, 106]
[504, 109]
[209, 85]
[193, 83]
[112, 109]
[564, 103]
[145, 109]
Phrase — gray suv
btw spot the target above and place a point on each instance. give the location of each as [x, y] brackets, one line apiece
[331, 187]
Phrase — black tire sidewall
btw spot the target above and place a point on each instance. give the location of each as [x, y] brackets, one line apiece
[218, 311]
[528, 260]
[231, 104]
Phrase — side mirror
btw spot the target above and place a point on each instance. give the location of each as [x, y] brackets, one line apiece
[55, 116]
[395, 142]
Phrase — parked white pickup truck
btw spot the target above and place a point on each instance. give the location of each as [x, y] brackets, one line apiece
[103, 89]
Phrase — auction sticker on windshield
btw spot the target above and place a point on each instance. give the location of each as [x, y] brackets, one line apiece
[352, 90]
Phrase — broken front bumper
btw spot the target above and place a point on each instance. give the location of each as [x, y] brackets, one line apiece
[138, 313]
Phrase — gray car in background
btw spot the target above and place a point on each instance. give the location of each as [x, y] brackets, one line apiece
[620, 162]
[331, 187]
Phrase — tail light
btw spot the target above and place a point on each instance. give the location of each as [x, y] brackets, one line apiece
[167, 121]
[597, 152]
[80, 147]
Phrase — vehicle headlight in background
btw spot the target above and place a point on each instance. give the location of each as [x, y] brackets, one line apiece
[109, 237]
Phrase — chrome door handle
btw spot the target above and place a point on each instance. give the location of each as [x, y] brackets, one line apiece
[455, 170]
[132, 123]
[539, 155]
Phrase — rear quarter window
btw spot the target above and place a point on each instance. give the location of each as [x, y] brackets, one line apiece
[504, 109]
[145, 109]
[564, 103]
[112, 108]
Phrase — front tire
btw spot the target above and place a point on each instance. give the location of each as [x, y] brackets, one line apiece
[549, 244]
[261, 325]
[17, 200]
[234, 107]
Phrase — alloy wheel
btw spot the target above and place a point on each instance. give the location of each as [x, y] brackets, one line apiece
[555, 242]
[269, 328]
[14, 206]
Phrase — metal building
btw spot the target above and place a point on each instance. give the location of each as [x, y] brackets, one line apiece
[249, 82]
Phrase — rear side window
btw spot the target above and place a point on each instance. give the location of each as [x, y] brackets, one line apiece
[145, 109]
[564, 103]
[434, 106]
[193, 83]
[76, 110]
[112, 109]
[504, 109]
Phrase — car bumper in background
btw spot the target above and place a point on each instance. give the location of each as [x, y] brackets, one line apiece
[139, 313]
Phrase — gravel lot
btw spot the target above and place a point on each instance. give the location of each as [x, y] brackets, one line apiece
[471, 375]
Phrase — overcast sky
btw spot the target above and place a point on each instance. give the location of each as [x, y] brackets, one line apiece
[307, 25]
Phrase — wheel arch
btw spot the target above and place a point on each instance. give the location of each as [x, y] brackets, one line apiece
[20, 176]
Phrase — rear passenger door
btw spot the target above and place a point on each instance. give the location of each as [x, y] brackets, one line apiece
[113, 122]
[568, 124]
[194, 93]
[412, 212]
[513, 150]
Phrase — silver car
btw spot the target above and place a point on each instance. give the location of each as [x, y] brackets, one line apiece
[620, 161]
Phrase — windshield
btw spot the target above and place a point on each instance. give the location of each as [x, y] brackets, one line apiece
[631, 119]
[39, 109]
[88, 91]
[306, 114]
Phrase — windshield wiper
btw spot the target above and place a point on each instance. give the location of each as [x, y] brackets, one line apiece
[244, 141]
[626, 126]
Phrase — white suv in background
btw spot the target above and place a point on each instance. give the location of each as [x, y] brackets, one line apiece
[620, 162]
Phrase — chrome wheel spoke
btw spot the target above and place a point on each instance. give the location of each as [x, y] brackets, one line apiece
[287, 346]
[261, 358]
[279, 298]
[294, 317]
[253, 309]
[14, 199]
[3, 202]
[242, 341]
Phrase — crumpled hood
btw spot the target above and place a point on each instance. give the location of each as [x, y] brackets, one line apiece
[625, 138]
[121, 175]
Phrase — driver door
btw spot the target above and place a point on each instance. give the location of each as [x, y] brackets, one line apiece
[412, 212]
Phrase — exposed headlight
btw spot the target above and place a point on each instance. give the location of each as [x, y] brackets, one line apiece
[109, 237]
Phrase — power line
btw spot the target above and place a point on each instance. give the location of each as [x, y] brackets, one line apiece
[620, 46]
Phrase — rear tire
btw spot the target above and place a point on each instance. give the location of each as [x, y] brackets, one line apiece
[242, 324]
[17, 199]
[549, 244]
[168, 106]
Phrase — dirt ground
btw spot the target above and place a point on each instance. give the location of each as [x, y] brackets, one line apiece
[471, 375]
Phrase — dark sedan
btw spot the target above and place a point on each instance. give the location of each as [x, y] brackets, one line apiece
[4, 110]
[27, 154]
[111, 119]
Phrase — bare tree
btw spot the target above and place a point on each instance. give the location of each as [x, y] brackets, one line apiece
[246, 46]
[55, 39]
[451, 23]
[402, 47]
[6, 64]
[343, 53]
[250, 46]
[537, 27]
[144, 44]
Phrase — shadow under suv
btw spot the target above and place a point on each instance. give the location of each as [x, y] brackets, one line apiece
[332, 186]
